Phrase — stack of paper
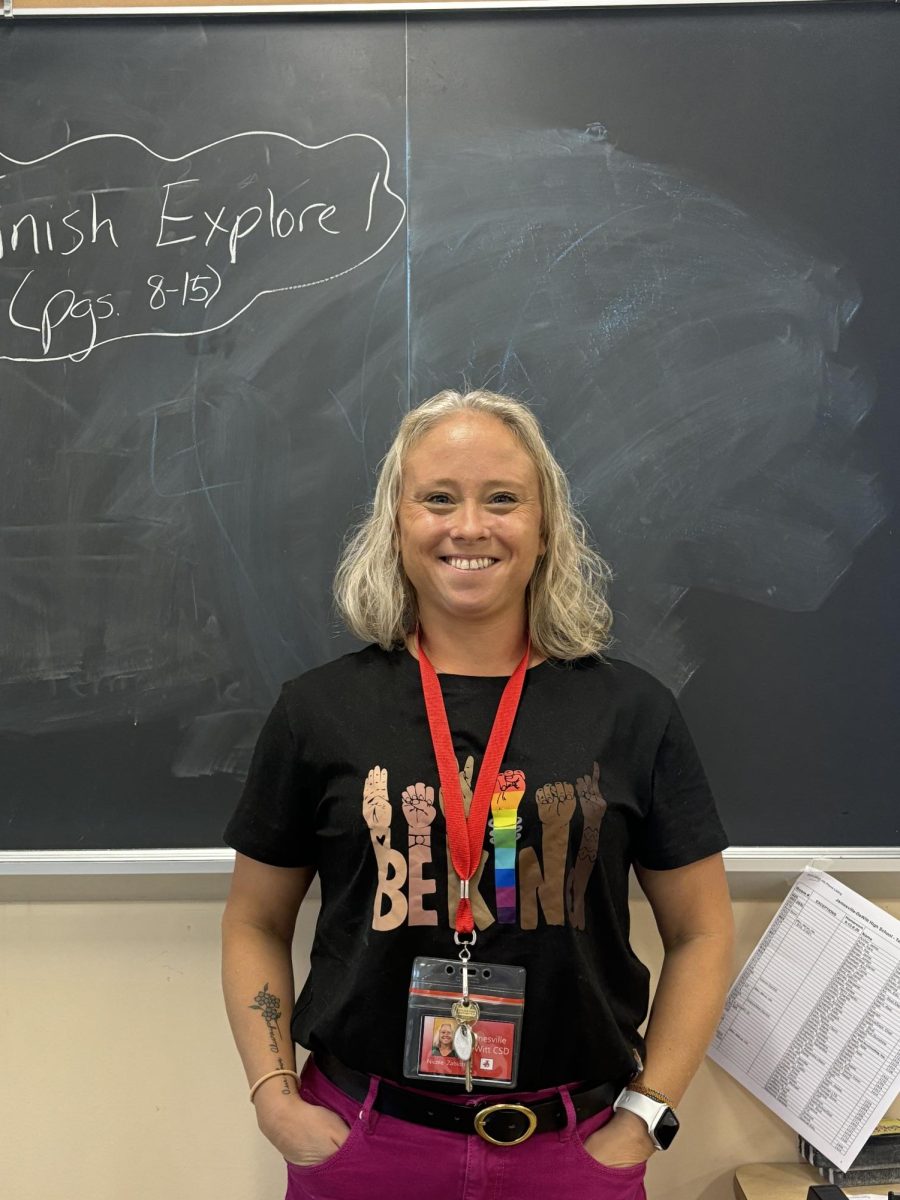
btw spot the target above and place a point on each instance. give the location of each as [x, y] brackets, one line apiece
[812, 1024]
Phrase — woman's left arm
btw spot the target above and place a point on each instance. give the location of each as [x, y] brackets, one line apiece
[693, 914]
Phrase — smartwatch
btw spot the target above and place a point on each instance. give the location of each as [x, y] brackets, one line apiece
[661, 1122]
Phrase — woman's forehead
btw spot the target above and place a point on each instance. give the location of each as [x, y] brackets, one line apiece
[467, 429]
[470, 446]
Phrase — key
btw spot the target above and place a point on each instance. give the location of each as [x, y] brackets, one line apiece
[464, 1041]
[466, 1012]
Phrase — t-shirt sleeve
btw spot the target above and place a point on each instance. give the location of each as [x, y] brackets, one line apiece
[274, 819]
[682, 825]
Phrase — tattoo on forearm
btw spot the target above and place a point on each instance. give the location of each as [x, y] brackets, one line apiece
[286, 1089]
[270, 1007]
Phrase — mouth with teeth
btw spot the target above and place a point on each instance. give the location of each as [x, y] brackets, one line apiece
[468, 564]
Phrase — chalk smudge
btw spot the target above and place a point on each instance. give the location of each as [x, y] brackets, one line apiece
[172, 513]
[681, 353]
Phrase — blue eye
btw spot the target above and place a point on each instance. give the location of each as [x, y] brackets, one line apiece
[438, 498]
[503, 498]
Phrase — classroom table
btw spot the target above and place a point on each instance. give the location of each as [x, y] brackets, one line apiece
[788, 1181]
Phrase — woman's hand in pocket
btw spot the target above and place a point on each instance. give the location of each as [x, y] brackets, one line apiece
[622, 1142]
[303, 1134]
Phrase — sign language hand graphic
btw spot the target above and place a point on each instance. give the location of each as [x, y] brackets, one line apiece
[418, 808]
[508, 791]
[593, 807]
[376, 805]
[592, 803]
[390, 905]
[556, 803]
[419, 811]
[465, 786]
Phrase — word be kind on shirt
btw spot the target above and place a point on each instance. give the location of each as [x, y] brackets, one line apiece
[522, 882]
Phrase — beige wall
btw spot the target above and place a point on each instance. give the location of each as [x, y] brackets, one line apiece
[120, 1080]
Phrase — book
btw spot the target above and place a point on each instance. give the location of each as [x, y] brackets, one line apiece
[882, 1149]
[855, 1177]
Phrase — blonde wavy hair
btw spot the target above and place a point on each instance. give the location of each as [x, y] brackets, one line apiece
[568, 615]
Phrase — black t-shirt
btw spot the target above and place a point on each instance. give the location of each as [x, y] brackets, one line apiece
[600, 772]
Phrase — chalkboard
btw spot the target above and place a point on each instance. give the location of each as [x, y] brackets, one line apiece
[234, 251]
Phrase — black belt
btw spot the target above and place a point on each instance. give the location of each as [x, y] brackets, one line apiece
[502, 1124]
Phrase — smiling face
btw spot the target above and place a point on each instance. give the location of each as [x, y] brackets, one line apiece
[445, 1035]
[470, 520]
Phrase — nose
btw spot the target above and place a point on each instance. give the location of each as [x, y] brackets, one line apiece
[469, 522]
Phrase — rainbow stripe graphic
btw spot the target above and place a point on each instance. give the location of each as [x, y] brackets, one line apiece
[504, 809]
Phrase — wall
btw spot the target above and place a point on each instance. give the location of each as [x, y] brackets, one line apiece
[121, 1080]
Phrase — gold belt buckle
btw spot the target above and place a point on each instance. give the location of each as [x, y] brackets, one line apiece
[482, 1115]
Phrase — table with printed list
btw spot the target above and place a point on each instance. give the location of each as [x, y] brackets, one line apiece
[811, 1026]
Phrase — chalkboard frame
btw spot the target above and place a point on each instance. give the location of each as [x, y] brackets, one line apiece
[144, 8]
[771, 861]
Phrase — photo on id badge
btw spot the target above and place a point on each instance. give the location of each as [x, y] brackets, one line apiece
[492, 1058]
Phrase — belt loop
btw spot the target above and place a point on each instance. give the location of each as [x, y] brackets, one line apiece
[368, 1113]
[571, 1119]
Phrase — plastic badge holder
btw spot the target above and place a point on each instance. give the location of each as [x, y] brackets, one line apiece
[499, 992]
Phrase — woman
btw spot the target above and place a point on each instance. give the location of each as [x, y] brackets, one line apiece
[472, 577]
[442, 1046]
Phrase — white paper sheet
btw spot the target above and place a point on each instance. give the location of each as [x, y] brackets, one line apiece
[812, 1023]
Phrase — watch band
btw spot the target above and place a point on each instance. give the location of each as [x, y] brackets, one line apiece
[660, 1119]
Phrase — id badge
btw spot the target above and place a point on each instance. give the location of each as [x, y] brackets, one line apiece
[471, 1039]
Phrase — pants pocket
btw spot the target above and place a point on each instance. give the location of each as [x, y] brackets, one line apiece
[312, 1095]
[617, 1183]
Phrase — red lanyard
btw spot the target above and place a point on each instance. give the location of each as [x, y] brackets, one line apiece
[466, 836]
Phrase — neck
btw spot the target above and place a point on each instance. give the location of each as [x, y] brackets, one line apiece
[468, 648]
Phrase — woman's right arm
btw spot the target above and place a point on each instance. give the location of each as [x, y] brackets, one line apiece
[258, 982]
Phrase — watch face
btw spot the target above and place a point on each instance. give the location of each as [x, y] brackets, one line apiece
[665, 1129]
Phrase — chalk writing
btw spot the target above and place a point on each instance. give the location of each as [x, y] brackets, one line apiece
[104, 239]
[197, 289]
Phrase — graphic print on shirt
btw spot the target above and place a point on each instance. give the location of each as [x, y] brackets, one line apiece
[377, 813]
[537, 884]
[480, 911]
[556, 807]
[418, 808]
[507, 797]
[593, 806]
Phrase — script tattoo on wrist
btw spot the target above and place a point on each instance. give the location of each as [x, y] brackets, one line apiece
[286, 1089]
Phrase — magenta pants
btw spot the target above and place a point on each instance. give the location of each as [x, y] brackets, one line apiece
[386, 1157]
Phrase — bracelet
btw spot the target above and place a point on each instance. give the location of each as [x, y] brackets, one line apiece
[271, 1075]
[659, 1097]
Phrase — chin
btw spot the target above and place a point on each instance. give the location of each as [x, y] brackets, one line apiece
[474, 609]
